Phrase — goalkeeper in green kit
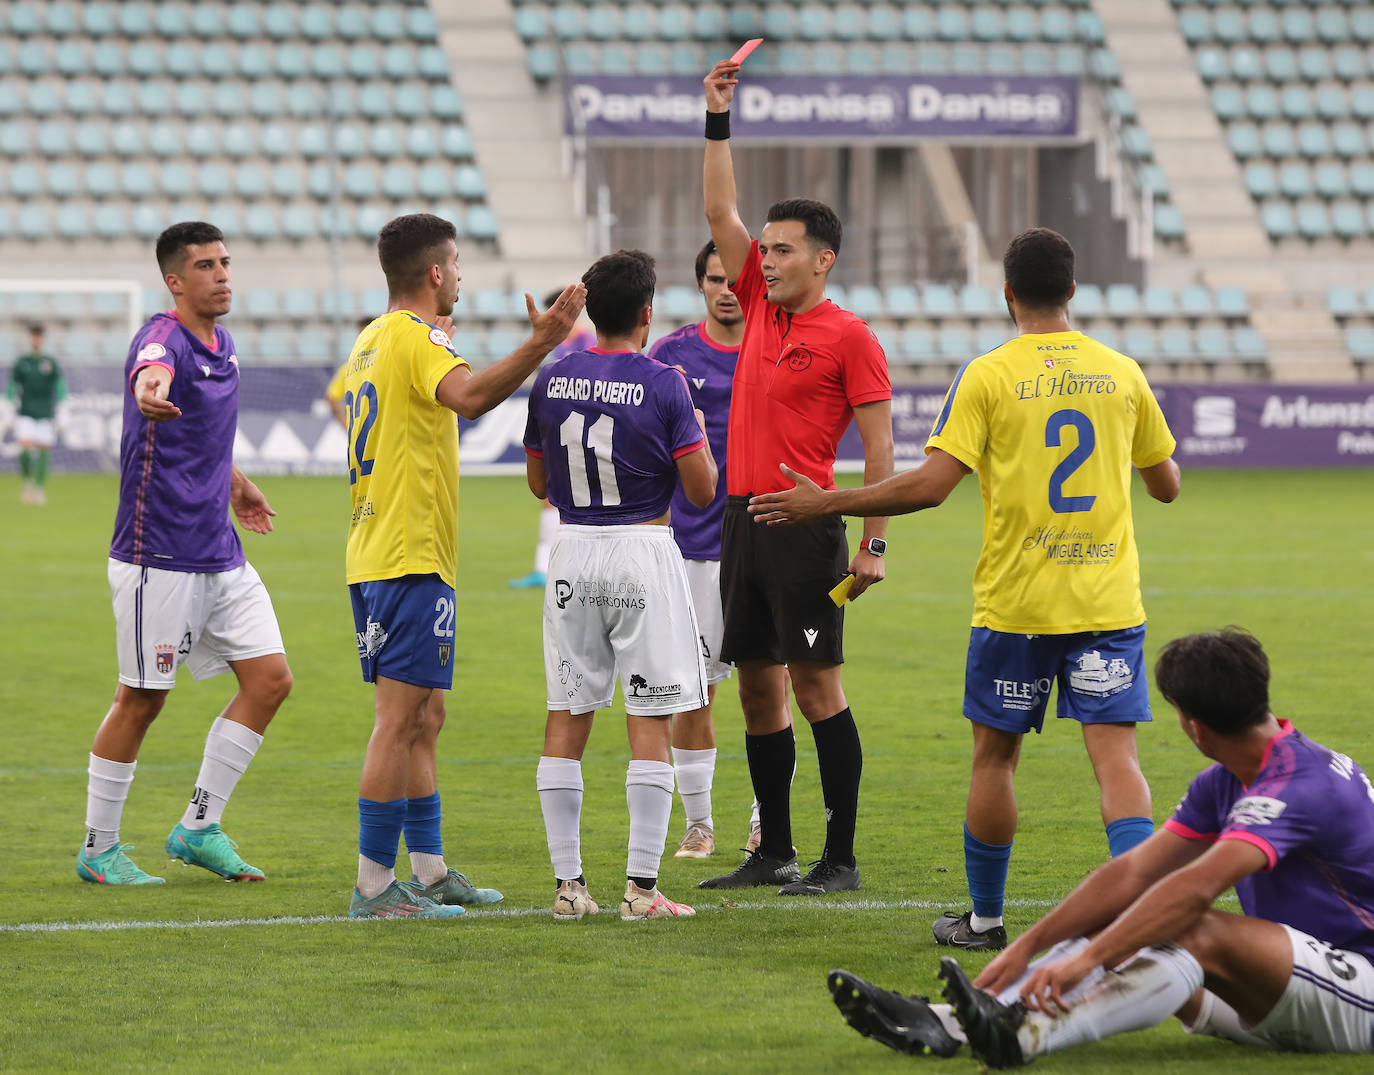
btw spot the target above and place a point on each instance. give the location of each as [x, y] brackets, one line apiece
[37, 382]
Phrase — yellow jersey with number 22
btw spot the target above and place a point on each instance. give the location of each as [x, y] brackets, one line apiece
[402, 452]
[1053, 424]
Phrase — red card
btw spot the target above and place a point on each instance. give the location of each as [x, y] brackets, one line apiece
[745, 49]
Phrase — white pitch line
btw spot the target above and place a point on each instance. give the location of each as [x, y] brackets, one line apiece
[494, 912]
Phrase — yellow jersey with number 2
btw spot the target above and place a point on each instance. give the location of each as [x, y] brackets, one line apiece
[402, 452]
[1053, 424]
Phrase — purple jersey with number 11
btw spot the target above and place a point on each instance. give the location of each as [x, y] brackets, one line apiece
[610, 427]
[1311, 811]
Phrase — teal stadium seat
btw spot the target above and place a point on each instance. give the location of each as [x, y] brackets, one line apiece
[901, 301]
[1195, 301]
[1348, 220]
[1211, 64]
[990, 337]
[317, 21]
[433, 63]
[457, 143]
[25, 20]
[1331, 103]
[1276, 140]
[884, 22]
[385, 141]
[469, 184]
[1231, 303]
[55, 140]
[360, 181]
[952, 23]
[280, 22]
[975, 302]
[387, 22]
[1159, 301]
[954, 343]
[1277, 218]
[240, 139]
[421, 25]
[1361, 177]
[1348, 140]
[175, 179]
[398, 181]
[351, 22]
[603, 22]
[639, 22]
[214, 179]
[918, 345]
[480, 223]
[531, 23]
[865, 302]
[1175, 343]
[938, 301]
[1262, 102]
[1122, 300]
[63, 180]
[1295, 181]
[62, 19]
[1087, 300]
[1328, 180]
[918, 22]
[1297, 26]
[370, 220]
[681, 303]
[136, 180]
[1313, 65]
[16, 140]
[319, 180]
[286, 179]
[1359, 341]
[260, 222]
[421, 142]
[1140, 342]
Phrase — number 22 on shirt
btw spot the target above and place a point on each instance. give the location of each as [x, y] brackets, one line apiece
[359, 463]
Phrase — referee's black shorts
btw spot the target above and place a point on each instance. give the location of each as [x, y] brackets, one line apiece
[775, 584]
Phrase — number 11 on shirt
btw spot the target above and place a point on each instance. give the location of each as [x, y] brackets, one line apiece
[598, 441]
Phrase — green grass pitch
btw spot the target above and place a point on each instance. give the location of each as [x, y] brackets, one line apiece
[202, 974]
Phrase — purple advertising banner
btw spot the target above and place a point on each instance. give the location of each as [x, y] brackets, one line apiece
[285, 426]
[885, 108]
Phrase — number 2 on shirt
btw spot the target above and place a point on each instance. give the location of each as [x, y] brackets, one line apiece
[599, 444]
[358, 463]
[1087, 441]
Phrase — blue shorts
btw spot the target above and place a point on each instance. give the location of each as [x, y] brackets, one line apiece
[405, 629]
[1101, 677]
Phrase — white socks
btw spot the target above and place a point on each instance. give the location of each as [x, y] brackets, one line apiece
[695, 770]
[229, 747]
[548, 530]
[428, 868]
[373, 877]
[559, 781]
[1145, 990]
[649, 795]
[107, 787]
[1217, 1019]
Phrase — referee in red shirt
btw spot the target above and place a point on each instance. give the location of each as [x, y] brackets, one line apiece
[805, 368]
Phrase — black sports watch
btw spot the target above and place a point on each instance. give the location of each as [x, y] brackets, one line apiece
[873, 546]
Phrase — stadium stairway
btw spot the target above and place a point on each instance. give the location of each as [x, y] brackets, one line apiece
[516, 132]
[1229, 246]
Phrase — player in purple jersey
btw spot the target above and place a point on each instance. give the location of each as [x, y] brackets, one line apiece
[182, 590]
[582, 337]
[610, 434]
[706, 353]
[1286, 821]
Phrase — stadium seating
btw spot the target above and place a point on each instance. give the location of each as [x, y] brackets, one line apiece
[1294, 87]
[97, 98]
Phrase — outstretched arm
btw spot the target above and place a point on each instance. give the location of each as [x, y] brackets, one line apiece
[924, 487]
[718, 177]
[471, 395]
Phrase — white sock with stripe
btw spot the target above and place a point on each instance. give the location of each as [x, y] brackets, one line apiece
[229, 747]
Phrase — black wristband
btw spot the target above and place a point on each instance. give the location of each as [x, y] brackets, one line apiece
[718, 126]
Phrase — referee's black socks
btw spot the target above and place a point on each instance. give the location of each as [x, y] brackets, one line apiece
[772, 761]
[841, 760]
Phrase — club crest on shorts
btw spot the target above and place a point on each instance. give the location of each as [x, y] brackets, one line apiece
[165, 651]
[371, 639]
[445, 652]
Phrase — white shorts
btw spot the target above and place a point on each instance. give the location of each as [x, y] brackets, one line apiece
[163, 618]
[617, 601]
[37, 431]
[1328, 1004]
[703, 579]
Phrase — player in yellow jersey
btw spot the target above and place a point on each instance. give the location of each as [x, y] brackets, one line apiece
[403, 386]
[1052, 421]
[334, 390]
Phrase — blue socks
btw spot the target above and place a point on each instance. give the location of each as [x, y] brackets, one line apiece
[985, 865]
[379, 829]
[422, 825]
[1125, 832]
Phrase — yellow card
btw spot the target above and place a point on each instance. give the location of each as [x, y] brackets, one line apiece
[841, 591]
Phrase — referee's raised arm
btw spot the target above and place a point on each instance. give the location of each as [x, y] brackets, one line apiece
[731, 237]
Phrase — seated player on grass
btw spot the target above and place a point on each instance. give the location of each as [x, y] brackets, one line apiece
[1286, 821]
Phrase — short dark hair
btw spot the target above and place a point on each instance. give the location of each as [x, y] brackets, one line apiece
[1039, 267]
[822, 225]
[172, 243]
[550, 297]
[618, 287]
[37, 330]
[405, 248]
[703, 256]
[1220, 679]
